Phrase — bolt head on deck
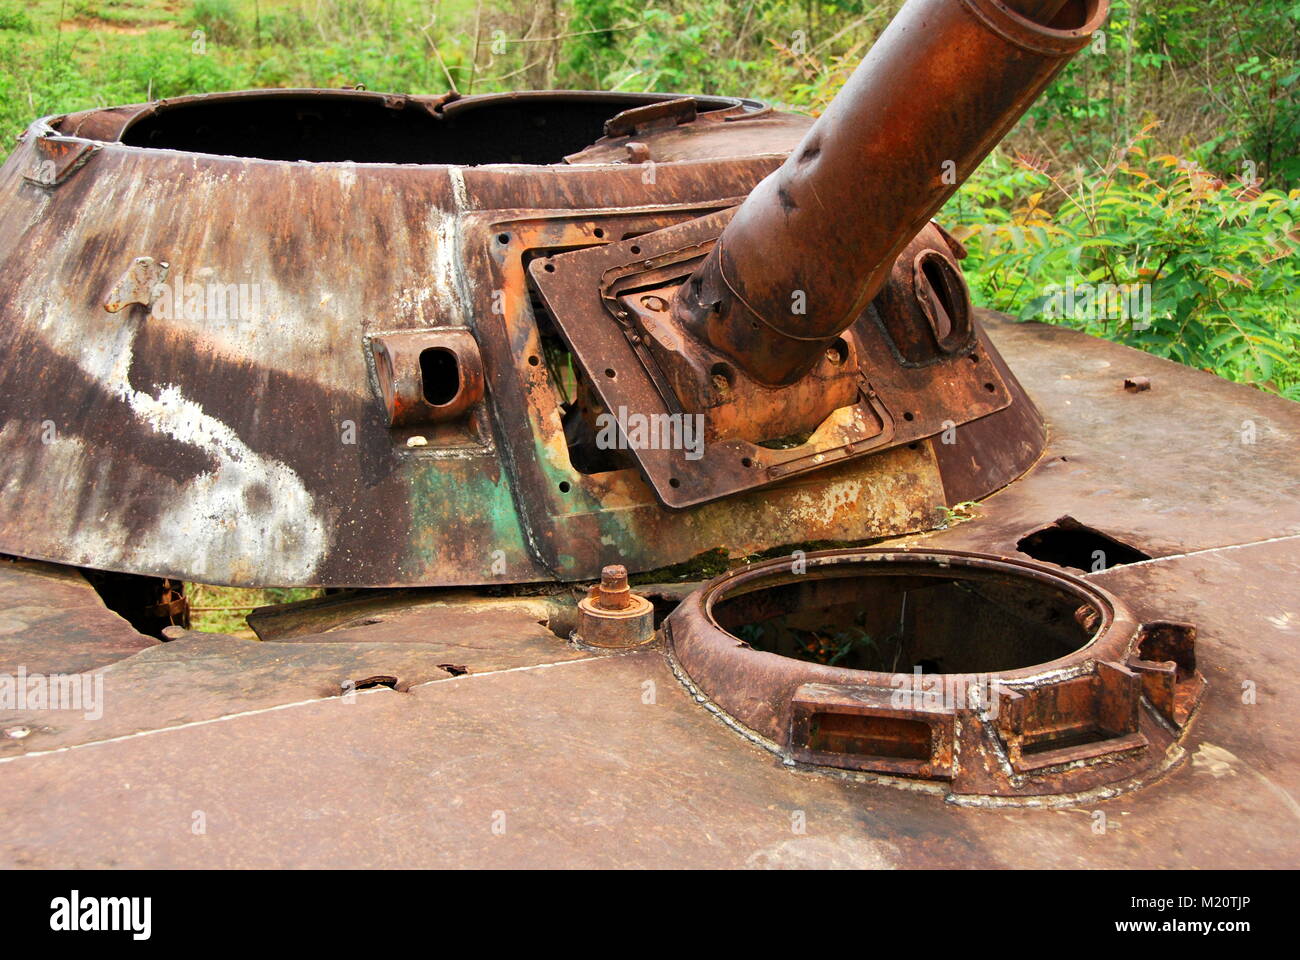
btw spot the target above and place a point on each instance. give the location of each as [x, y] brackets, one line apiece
[612, 616]
[613, 592]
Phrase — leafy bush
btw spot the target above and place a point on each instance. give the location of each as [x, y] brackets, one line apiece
[1225, 78]
[1153, 251]
[14, 17]
[218, 19]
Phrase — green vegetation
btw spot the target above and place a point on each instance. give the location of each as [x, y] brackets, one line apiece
[1157, 251]
[223, 609]
[959, 513]
[1151, 196]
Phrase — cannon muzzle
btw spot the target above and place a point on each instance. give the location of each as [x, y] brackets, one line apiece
[814, 243]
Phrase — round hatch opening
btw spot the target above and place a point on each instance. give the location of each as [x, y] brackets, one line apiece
[986, 675]
[910, 616]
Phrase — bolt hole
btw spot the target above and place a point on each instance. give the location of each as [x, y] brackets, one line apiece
[746, 462]
[534, 361]
[610, 372]
[989, 387]
[837, 352]
[564, 486]
[636, 249]
[724, 378]
[599, 233]
[974, 358]
[503, 238]
[674, 482]
[909, 416]
[549, 268]
[369, 683]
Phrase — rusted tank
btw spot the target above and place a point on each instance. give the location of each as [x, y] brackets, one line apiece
[309, 337]
[461, 327]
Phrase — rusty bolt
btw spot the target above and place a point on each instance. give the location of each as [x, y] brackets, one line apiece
[612, 616]
[613, 592]
[658, 304]
[1137, 384]
[638, 152]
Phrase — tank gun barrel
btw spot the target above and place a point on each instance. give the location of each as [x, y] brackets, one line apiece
[815, 241]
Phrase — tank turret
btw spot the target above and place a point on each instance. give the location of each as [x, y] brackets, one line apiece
[340, 338]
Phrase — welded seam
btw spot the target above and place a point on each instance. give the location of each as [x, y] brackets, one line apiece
[282, 706]
[1193, 553]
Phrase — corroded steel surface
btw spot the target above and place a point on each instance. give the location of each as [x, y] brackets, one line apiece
[255, 448]
[611, 616]
[392, 388]
[592, 767]
[1194, 463]
[196, 677]
[295, 337]
[51, 620]
[892, 402]
[980, 719]
[794, 316]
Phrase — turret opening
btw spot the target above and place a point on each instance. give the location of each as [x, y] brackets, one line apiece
[371, 128]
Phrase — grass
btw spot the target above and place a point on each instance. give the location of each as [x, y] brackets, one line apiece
[233, 604]
[59, 56]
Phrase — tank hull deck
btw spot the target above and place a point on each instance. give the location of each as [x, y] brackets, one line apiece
[504, 746]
